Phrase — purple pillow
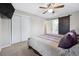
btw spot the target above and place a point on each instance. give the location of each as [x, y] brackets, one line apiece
[75, 35]
[68, 41]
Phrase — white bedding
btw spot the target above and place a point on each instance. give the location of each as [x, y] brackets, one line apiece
[45, 46]
[48, 46]
[74, 51]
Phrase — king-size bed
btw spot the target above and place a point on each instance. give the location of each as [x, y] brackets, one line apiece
[47, 45]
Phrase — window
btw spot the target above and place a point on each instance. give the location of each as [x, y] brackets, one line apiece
[55, 26]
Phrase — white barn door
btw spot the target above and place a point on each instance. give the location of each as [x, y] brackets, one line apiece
[16, 29]
[26, 27]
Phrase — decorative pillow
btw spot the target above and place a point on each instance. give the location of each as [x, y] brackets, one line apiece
[68, 40]
[74, 36]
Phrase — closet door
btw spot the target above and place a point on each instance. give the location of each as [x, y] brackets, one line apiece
[26, 27]
[16, 29]
[0, 32]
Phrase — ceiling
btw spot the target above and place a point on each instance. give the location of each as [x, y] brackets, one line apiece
[33, 8]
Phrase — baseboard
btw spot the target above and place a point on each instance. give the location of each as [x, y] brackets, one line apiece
[5, 46]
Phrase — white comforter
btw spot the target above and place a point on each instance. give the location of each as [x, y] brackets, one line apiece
[74, 51]
[46, 47]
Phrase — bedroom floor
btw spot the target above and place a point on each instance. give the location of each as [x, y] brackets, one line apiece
[18, 49]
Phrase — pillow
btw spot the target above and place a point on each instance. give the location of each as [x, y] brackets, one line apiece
[68, 40]
[75, 35]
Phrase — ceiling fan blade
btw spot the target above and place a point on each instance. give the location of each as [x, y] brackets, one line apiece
[43, 7]
[45, 11]
[60, 6]
[49, 5]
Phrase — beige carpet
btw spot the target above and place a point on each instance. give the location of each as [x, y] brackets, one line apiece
[19, 49]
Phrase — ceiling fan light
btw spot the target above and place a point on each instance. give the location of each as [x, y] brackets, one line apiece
[50, 10]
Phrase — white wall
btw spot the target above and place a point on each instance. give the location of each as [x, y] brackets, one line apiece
[48, 26]
[74, 22]
[37, 25]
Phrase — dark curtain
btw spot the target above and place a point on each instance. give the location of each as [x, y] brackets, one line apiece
[64, 24]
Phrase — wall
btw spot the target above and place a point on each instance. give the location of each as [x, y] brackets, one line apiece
[48, 26]
[37, 25]
[74, 22]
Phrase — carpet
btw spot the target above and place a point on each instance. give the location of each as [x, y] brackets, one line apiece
[18, 49]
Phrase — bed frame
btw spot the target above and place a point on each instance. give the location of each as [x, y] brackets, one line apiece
[34, 50]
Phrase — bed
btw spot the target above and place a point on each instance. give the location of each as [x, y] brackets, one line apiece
[47, 45]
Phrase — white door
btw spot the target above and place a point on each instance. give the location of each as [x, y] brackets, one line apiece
[16, 29]
[0, 32]
[6, 31]
[26, 27]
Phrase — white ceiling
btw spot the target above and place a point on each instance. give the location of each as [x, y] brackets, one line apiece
[33, 8]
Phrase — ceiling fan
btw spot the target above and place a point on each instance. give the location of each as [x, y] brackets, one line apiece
[51, 7]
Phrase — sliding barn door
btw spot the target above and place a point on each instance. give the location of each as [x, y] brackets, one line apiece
[0, 32]
[16, 29]
[25, 27]
[64, 25]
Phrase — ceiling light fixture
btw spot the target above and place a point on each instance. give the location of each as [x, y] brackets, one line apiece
[51, 7]
[50, 10]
